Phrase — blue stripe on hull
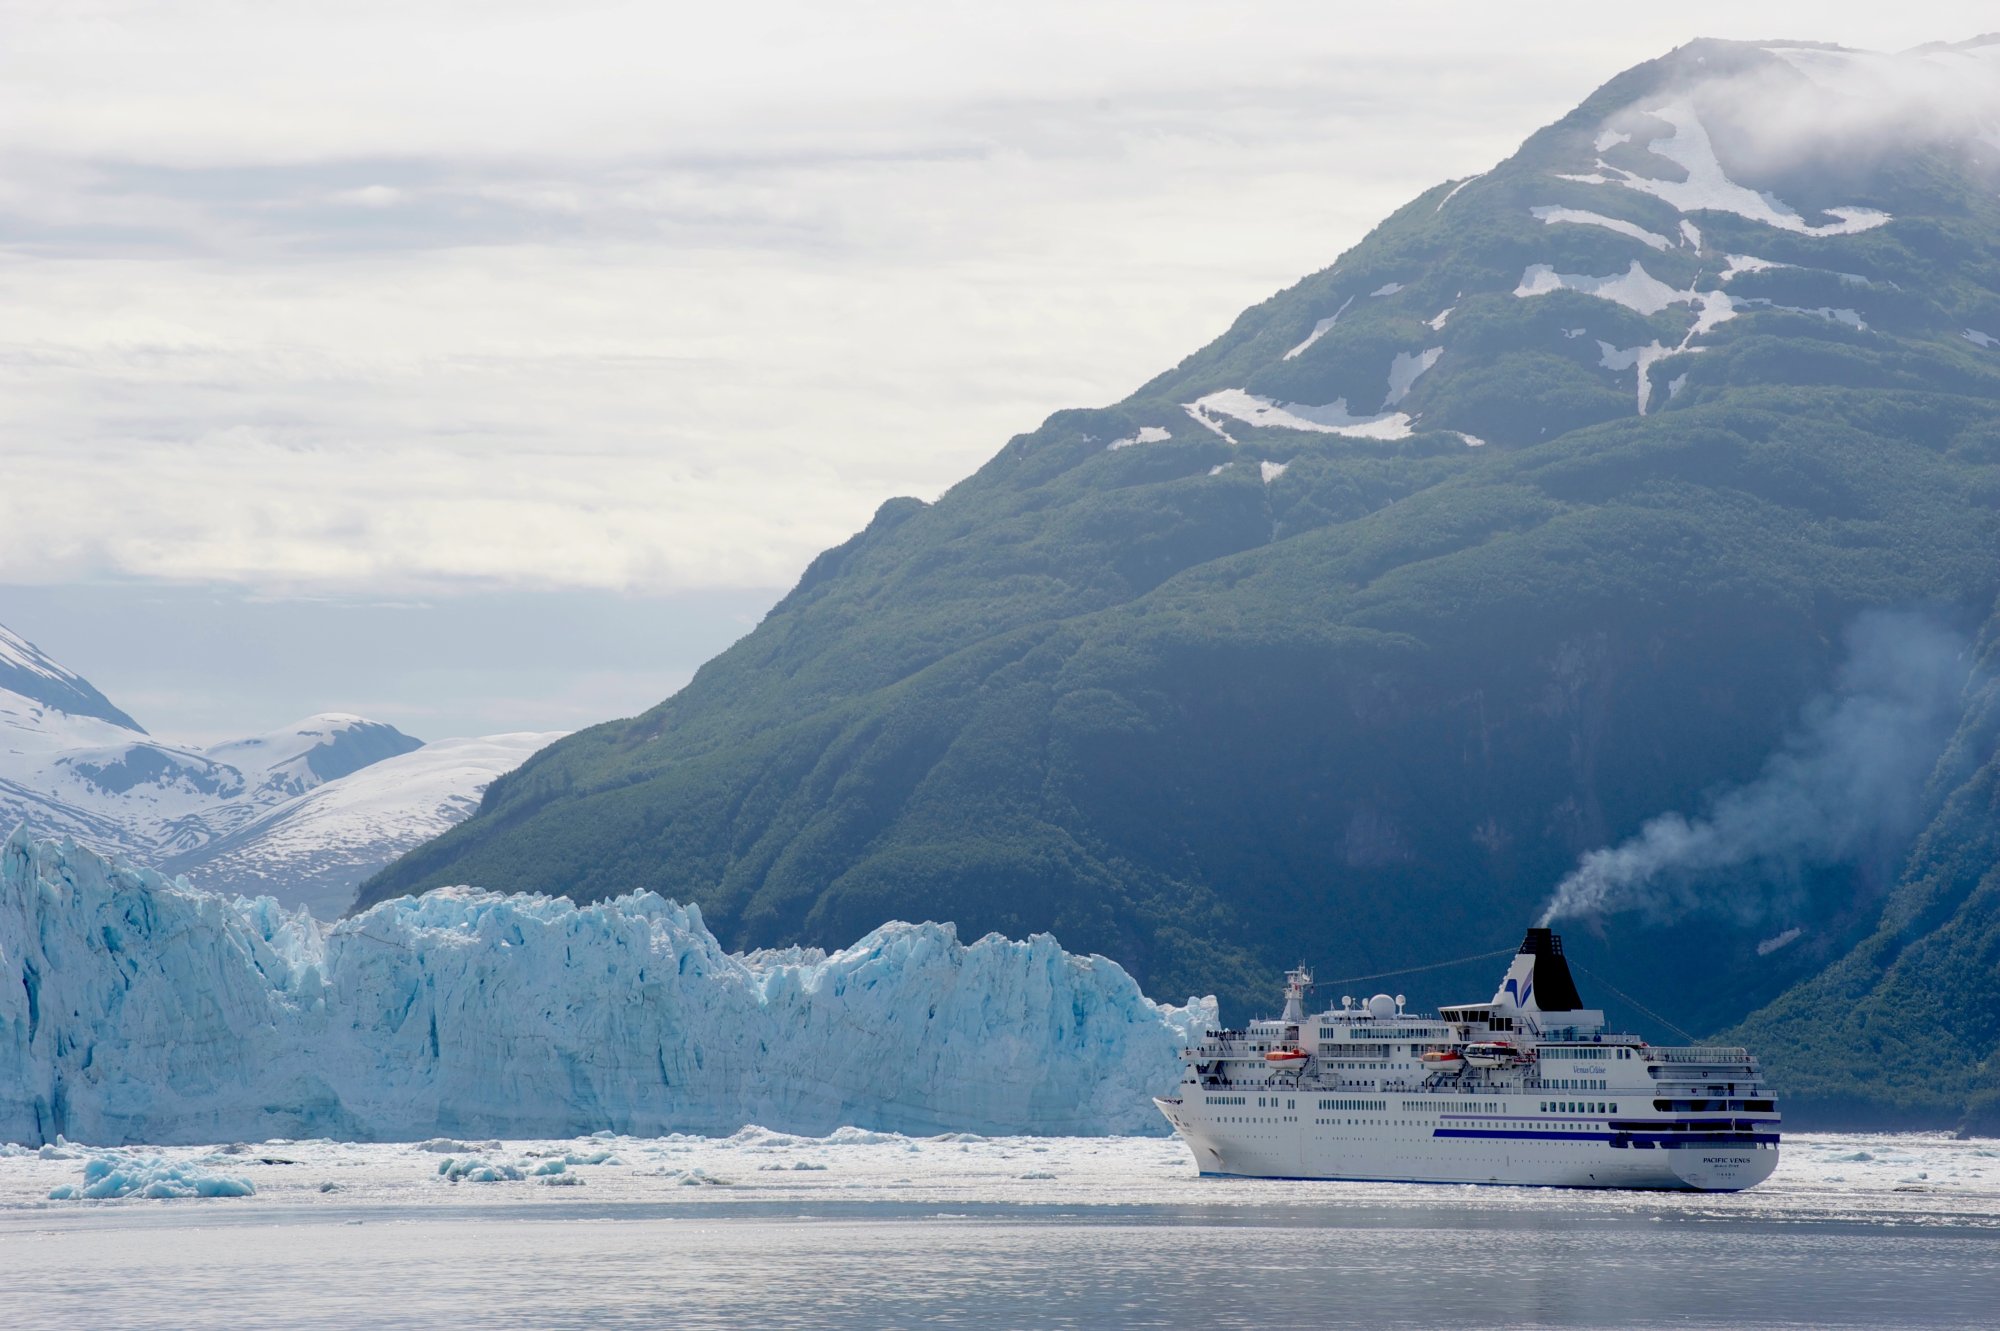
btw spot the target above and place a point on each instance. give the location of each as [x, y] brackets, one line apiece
[1471, 1183]
[1669, 1141]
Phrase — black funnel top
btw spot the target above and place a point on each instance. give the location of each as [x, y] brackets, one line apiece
[1555, 990]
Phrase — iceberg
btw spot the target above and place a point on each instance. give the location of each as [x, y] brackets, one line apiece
[117, 1174]
[135, 1008]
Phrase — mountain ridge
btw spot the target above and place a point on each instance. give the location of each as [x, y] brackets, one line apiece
[238, 815]
[1541, 511]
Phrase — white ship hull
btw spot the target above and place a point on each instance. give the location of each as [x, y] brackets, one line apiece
[1437, 1147]
[1530, 1088]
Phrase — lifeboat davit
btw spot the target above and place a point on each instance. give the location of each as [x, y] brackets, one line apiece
[1490, 1054]
[1286, 1057]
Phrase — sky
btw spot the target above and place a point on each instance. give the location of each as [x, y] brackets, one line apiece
[489, 366]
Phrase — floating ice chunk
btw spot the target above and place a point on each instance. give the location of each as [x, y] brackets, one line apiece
[1387, 289]
[1551, 214]
[1776, 941]
[472, 1169]
[1332, 418]
[1404, 372]
[118, 1174]
[1635, 288]
[1436, 321]
[1148, 434]
[1319, 330]
[1708, 187]
[1979, 339]
[1271, 471]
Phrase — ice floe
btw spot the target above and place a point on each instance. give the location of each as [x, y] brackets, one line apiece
[135, 1174]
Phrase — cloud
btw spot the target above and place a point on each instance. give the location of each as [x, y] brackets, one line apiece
[391, 296]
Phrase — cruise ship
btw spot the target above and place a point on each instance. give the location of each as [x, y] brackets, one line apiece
[1527, 1089]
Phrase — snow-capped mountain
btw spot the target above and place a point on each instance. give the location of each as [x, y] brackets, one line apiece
[314, 849]
[302, 813]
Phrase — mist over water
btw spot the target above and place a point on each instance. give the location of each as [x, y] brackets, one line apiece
[1848, 780]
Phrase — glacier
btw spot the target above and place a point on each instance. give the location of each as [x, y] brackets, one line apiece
[135, 1008]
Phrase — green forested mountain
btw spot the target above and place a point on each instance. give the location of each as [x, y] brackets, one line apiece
[1542, 511]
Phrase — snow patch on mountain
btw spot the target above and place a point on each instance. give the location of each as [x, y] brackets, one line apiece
[1748, 263]
[1979, 339]
[1552, 214]
[1706, 186]
[1453, 193]
[1148, 434]
[1634, 358]
[1404, 372]
[1319, 330]
[1635, 288]
[1332, 418]
[314, 849]
[134, 1009]
[1852, 318]
[33, 677]
[1271, 471]
[271, 811]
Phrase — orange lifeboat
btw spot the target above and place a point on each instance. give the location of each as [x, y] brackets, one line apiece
[1442, 1060]
[1286, 1057]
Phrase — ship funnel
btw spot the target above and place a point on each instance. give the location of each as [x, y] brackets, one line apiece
[1539, 980]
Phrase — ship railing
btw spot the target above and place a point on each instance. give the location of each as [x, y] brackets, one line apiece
[1697, 1054]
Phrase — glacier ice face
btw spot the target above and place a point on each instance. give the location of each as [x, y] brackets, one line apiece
[135, 1008]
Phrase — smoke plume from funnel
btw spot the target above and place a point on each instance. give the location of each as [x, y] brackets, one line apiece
[1850, 776]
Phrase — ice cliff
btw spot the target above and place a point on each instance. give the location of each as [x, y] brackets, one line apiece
[134, 1008]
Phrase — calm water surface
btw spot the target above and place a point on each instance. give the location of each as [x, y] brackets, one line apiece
[883, 1264]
